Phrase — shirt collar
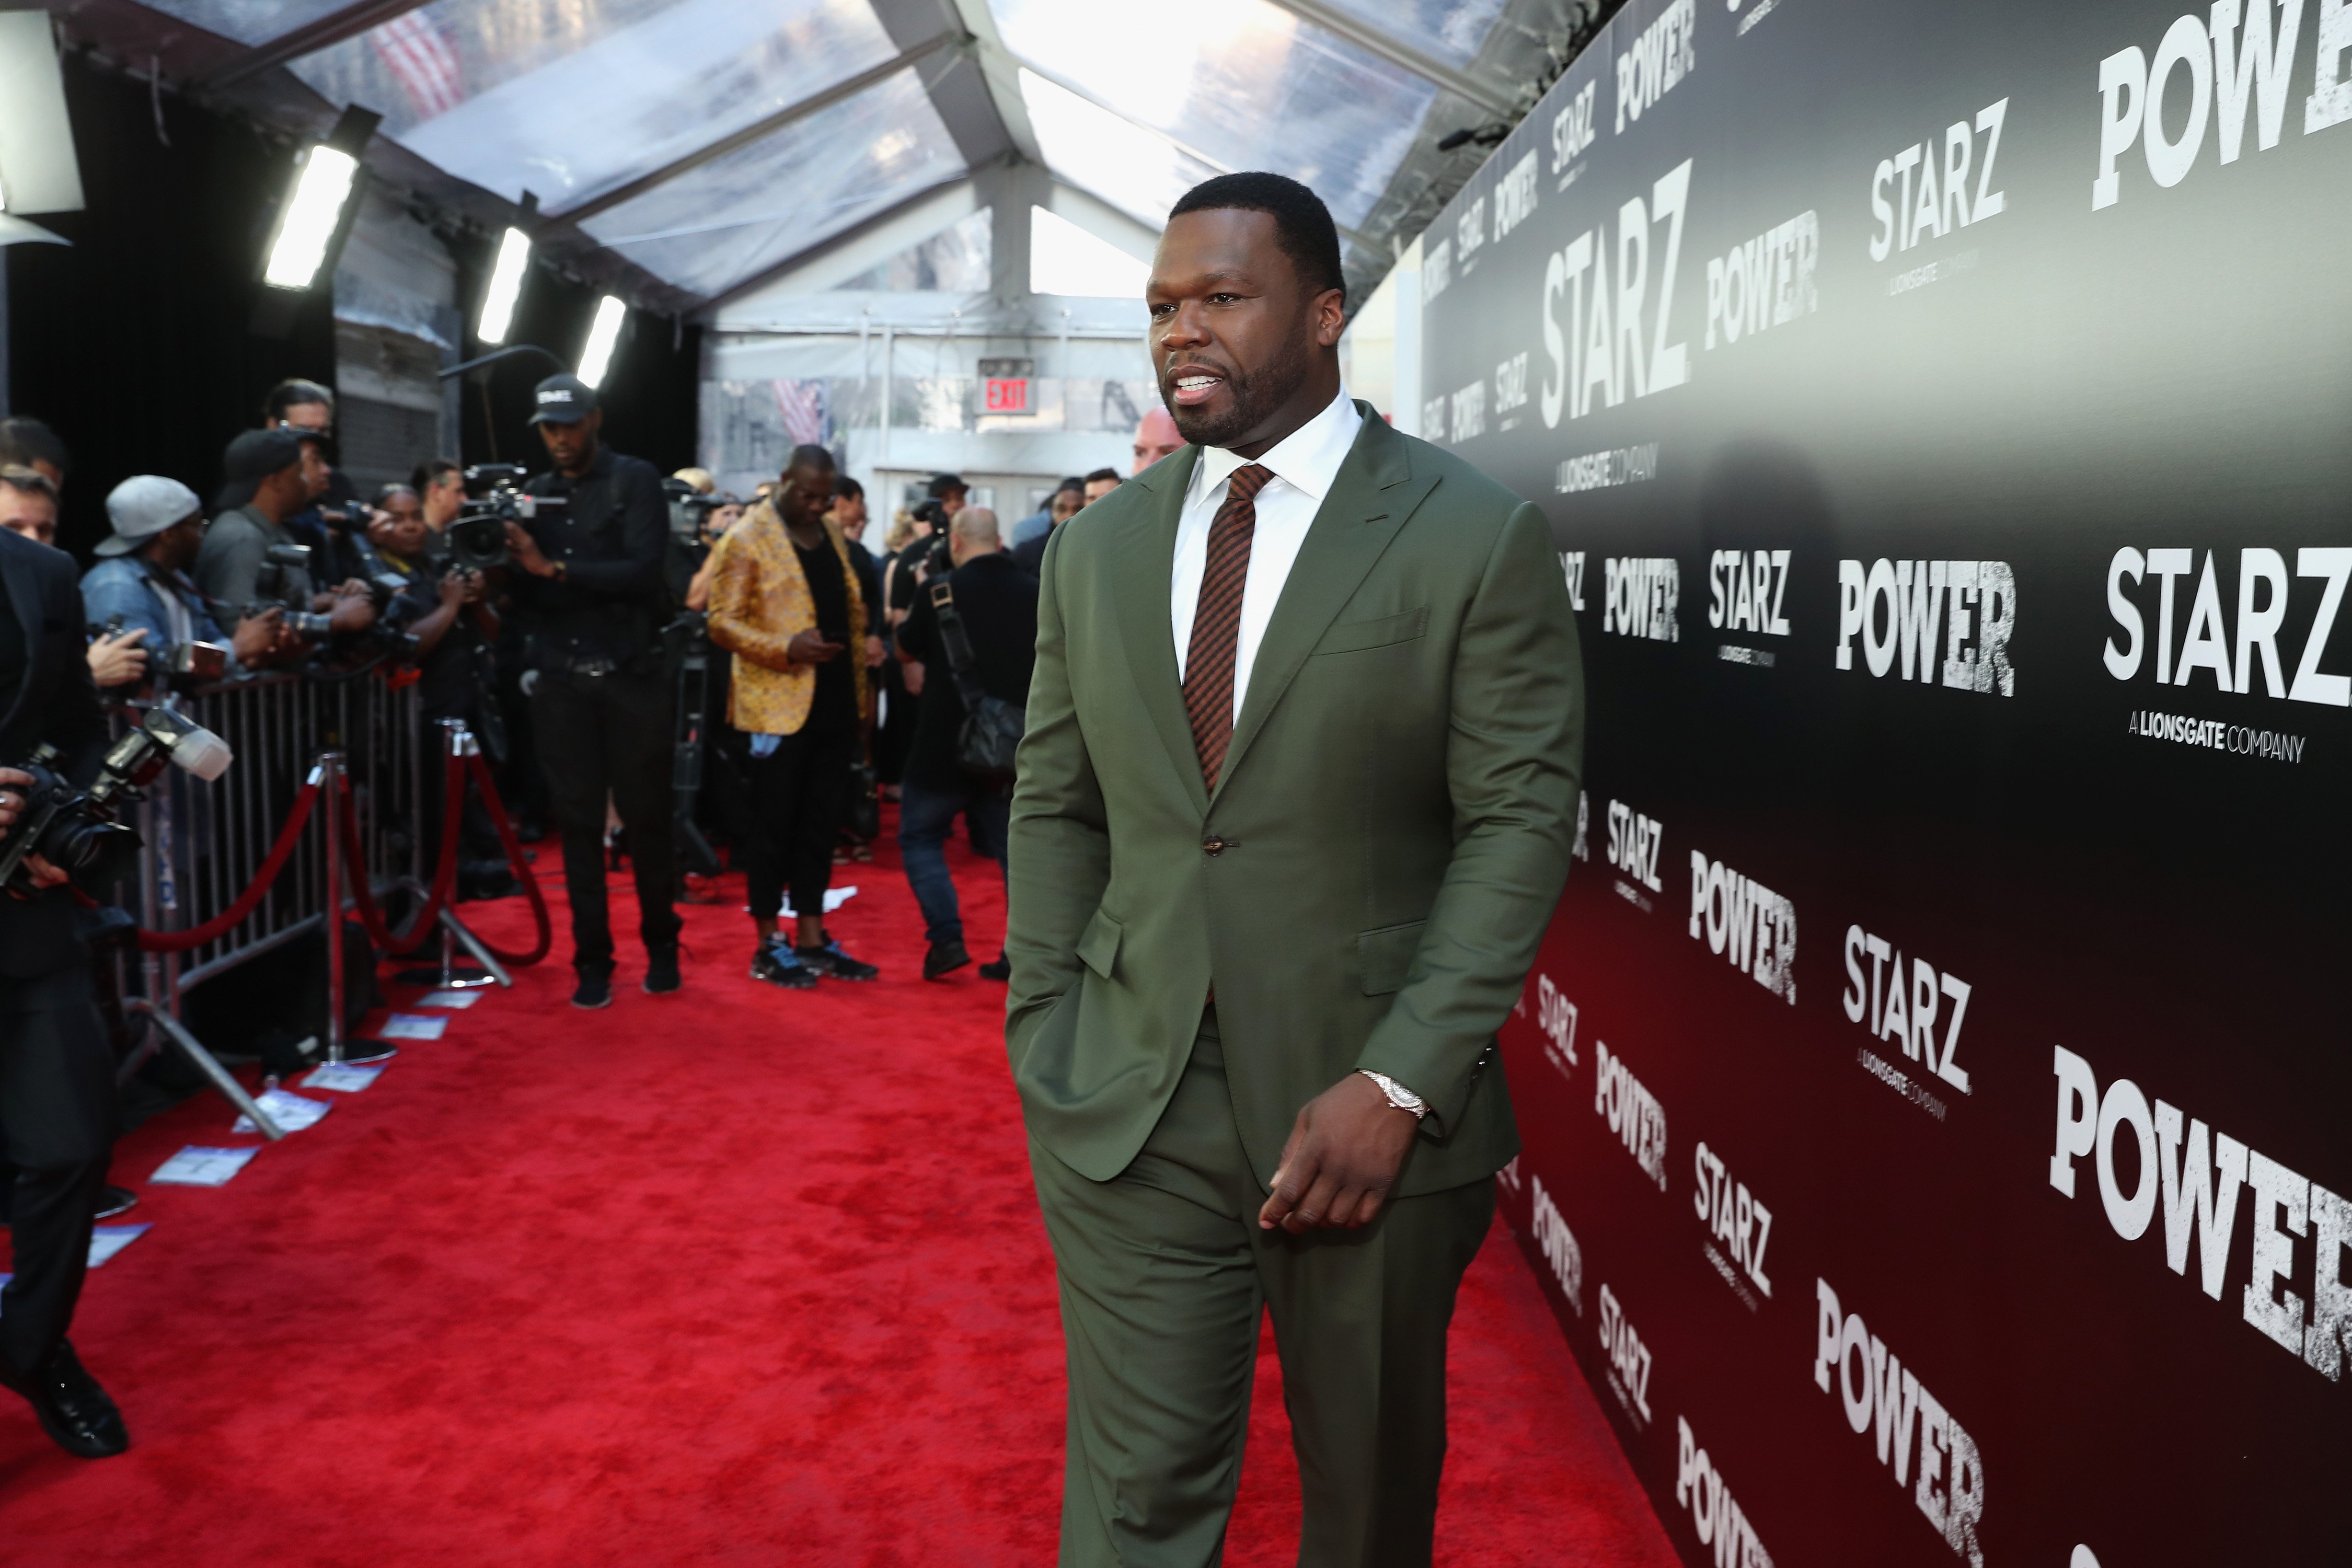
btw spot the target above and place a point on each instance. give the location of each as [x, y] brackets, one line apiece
[1309, 457]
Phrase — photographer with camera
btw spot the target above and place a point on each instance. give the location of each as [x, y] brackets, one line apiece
[588, 571]
[141, 585]
[234, 566]
[57, 1074]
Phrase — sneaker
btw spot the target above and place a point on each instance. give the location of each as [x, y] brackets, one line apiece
[595, 990]
[1001, 970]
[661, 972]
[830, 961]
[781, 966]
[943, 958]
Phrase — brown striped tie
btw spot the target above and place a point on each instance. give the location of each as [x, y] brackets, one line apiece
[1217, 622]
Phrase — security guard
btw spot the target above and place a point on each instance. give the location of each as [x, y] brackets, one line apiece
[588, 574]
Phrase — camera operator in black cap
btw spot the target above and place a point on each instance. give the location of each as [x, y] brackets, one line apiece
[589, 573]
[56, 1073]
[266, 485]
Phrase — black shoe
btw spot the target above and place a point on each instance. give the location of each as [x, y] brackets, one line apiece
[595, 989]
[661, 972]
[781, 966]
[73, 1411]
[833, 963]
[944, 958]
[1000, 970]
[114, 1201]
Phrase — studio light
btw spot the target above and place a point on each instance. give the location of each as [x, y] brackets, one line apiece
[506, 286]
[602, 335]
[308, 220]
[315, 214]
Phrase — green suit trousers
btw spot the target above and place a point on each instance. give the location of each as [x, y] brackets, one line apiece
[1163, 1271]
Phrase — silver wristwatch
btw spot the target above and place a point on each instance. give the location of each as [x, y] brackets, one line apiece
[1399, 1096]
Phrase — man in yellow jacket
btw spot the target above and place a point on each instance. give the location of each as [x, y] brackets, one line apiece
[785, 601]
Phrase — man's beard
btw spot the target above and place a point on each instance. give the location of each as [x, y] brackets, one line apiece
[1253, 398]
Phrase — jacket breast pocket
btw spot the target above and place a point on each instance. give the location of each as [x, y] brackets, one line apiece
[1385, 956]
[1098, 945]
[1354, 636]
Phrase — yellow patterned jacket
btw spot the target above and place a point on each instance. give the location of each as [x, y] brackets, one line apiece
[760, 601]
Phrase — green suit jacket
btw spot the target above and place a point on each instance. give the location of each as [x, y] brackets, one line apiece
[1395, 815]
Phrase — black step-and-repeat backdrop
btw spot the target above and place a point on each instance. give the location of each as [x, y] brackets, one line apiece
[1937, 1085]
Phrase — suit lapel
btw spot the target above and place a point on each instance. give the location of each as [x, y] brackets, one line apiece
[1145, 574]
[25, 598]
[1375, 492]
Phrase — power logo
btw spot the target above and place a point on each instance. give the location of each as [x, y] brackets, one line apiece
[2194, 1175]
[1876, 1387]
[1982, 596]
[1699, 1487]
[1640, 595]
[1558, 1245]
[1657, 61]
[1632, 1111]
[1746, 921]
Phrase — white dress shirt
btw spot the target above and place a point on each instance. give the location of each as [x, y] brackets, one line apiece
[1305, 463]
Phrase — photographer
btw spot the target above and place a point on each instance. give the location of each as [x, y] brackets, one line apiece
[141, 581]
[440, 487]
[995, 603]
[57, 1074]
[590, 574]
[266, 485]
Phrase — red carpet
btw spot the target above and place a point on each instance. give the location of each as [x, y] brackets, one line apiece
[732, 1275]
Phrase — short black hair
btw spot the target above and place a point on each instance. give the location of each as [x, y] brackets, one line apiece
[808, 455]
[848, 488]
[291, 393]
[1302, 224]
[428, 473]
[25, 440]
[1072, 483]
[1110, 474]
[945, 485]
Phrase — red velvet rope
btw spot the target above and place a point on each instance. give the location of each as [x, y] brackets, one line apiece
[521, 867]
[221, 924]
[444, 868]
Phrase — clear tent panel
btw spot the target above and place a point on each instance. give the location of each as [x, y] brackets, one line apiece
[1097, 150]
[1448, 30]
[1243, 82]
[570, 99]
[249, 21]
[732, 218]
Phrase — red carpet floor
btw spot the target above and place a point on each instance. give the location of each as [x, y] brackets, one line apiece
[736, 1276]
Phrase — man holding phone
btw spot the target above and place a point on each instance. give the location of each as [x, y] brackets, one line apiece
[786, 601]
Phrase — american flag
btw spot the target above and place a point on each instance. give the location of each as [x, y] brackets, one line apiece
[416, 51]
[802, 405]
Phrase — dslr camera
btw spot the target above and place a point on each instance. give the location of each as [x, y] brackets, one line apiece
[276, 560]
[689, 509]
[180, 665]
[81, 832]
[494, 497]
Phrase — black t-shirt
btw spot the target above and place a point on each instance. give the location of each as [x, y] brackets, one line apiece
[834, 706]
[997, 602]
[12, 658]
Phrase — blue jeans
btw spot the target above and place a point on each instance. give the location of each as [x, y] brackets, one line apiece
[926, 817]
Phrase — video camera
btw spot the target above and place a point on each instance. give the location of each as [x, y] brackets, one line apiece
[689, 509]
[178, 665]
[477, 535]
[80, 831]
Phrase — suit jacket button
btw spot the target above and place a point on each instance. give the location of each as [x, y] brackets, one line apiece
[1214, 845]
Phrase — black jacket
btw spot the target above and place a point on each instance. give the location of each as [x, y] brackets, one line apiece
[998, 602]
[53, 702]
[612, 537]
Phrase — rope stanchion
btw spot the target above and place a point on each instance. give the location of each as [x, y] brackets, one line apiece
[229, 919]
[519, 865]
[399, 945]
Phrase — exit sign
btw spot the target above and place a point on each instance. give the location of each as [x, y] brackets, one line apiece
[1008, 394]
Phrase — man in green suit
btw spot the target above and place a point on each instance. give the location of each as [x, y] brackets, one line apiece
[1295, 804]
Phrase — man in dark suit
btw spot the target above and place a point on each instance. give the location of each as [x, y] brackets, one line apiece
[1295, 804]
[57, 1075]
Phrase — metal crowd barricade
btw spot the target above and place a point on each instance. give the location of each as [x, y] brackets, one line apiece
[205, 842]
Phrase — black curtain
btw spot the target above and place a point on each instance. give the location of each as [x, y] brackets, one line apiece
[137, 343]
[134, 344]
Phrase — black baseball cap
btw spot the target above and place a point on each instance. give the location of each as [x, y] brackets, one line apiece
[945, 485]
[257, 454]
[563, 400]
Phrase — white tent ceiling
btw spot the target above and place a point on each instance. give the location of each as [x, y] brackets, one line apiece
[709, 143]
